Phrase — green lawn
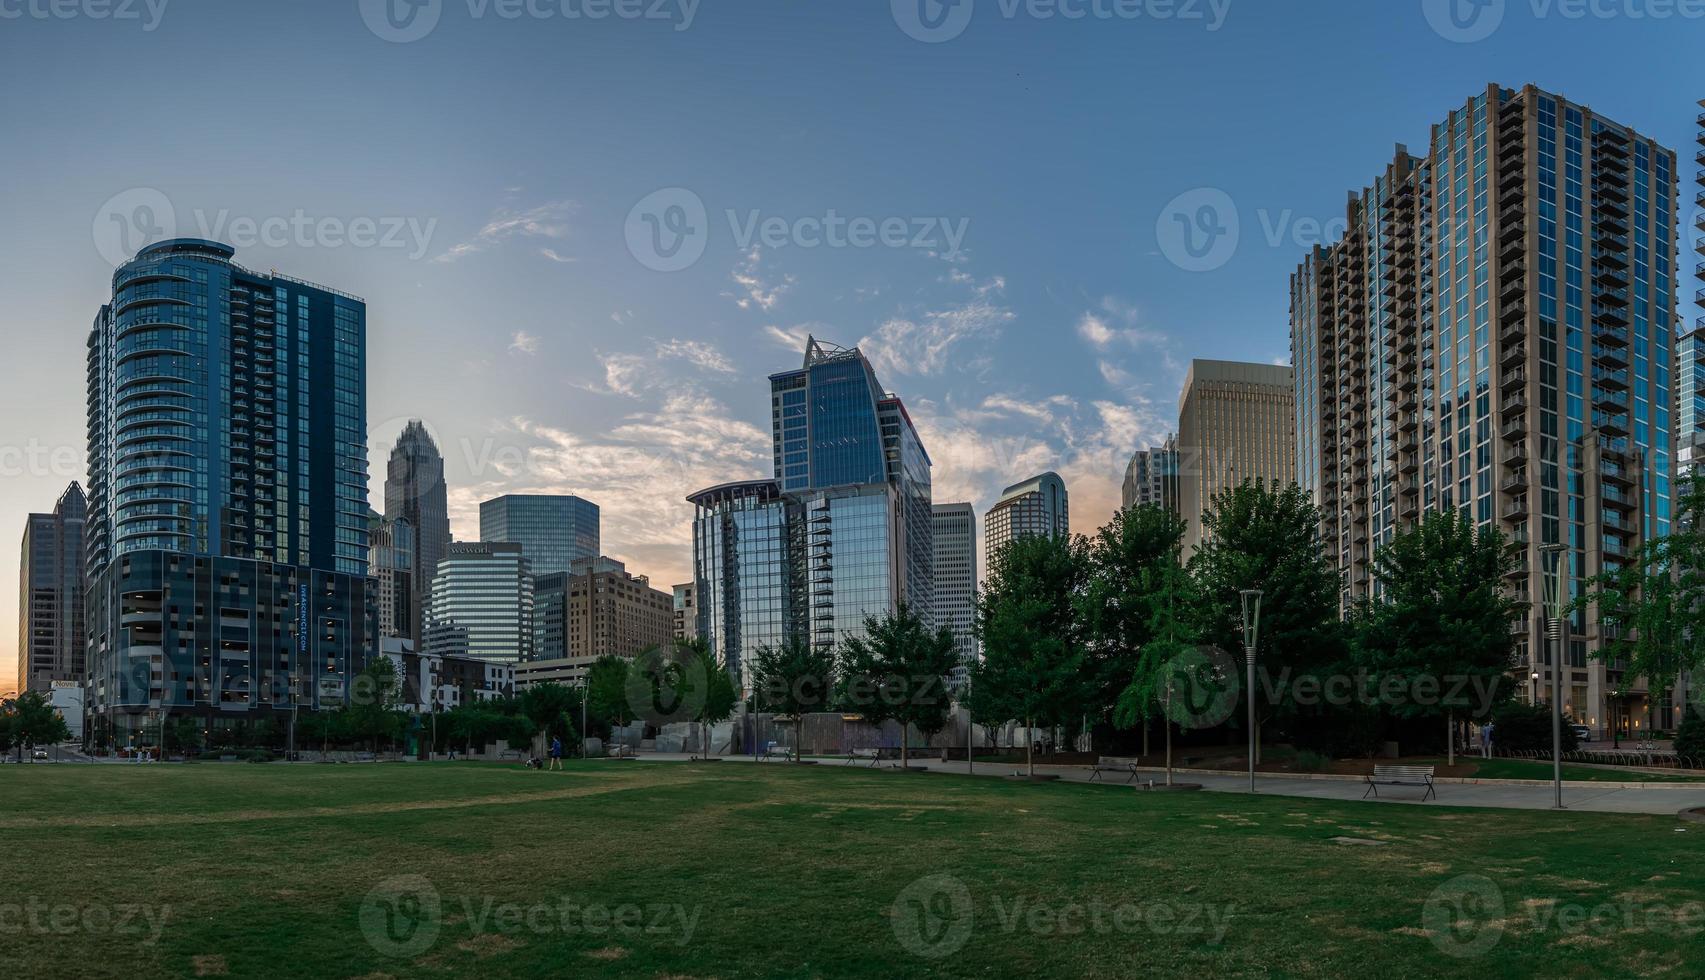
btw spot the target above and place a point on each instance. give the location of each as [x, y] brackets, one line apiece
[734, 870]
[1531, 769]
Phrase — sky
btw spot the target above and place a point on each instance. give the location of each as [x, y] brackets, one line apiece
[588, 230]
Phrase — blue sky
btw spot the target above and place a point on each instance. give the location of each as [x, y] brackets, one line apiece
[492, 188]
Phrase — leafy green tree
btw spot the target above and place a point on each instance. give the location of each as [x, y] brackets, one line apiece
[552, 708]
[35, 722]
[1129, 596]
[897, 671]
[1441, 621]
[7, 737]
[183, 734]
[1035, 645]
[1267, 536]
[607, 691]
[1519, 726]
[1690, 737]
[710, 694]
[1169, 677]
[794, 678]
[370, 713]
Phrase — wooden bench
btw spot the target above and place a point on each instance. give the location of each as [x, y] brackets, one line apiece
[1401, 776]
[1104, 764]
[860, 755]
[775, 751]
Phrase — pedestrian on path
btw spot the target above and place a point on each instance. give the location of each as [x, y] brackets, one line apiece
[1486, 741]
[556, 753]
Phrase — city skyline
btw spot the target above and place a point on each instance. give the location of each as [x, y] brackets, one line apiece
[547, 358]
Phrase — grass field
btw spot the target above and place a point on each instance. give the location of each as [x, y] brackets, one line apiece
[1530, 769]
[732, 870]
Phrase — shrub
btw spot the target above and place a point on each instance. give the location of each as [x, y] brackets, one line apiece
[1690, 738]
[1310, 762]
[1527, 728]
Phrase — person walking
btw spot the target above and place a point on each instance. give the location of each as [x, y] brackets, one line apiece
[556, 752]
[1486, 741]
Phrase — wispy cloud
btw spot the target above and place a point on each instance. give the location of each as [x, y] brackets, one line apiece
[755, 291]
[548, 220]
[926, 345]
[629, 374]
[555, 256]
[524, 343]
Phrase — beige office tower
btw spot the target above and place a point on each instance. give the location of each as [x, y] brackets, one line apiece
[1495, 332]
[1236, 422]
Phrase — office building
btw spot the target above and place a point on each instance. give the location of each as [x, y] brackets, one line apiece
[486, 589]
[1690, 395]
[51, 642]
[415, 492]
[1495, 333]
[955, 567]
[1236, 423]
[390, 561]
[550, 616]
[1036, 507]
[1151, 477]
[614, 613]
[554, 531]
[749, 571]
[686, 600]
[226, 538]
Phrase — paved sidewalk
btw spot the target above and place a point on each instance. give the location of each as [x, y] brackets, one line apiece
[1583, 796]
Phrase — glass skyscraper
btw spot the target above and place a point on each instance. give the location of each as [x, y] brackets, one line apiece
[1496, 333]
[749, 576]
[553, 530]
[485, 589]
[227, 537]
[51, 642]
[415, 492]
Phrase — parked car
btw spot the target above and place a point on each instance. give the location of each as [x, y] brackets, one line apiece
[1582, 733]
[39, 754]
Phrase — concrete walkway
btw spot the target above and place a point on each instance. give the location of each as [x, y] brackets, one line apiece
[1668, 798]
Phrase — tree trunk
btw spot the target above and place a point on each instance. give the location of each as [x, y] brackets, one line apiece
[1029, 746]
[1450, 737]
[1169, 752]
[1145, 737]
[903, 746]
[799, 737]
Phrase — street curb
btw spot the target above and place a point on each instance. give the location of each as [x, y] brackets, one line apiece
[1441, 780]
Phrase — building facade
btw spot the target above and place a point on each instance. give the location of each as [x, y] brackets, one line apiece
[955, 543]
[51, 641]
[226, 541]
[1496, 333]
[553, 530]
[415, 492]
[749, 571]
[1033, 508]
[390, 561]
[485, 589]
[1236, 423]
[1151, 477]
[614, 613]
[686, 602]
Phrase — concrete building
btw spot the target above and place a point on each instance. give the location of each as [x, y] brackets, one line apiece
[390, 561]
[1496, 332]
[553, 530]
[955, 543]
[1236, 423]
[485, 588]
[51, 641]
[415, 492]
[1151, 477]
[1035, 507]
[435, 683]
[686, 611]
[611, 612]
[226, 539]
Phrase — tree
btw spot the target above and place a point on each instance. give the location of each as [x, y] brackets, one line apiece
[35, 722]
[552, 708]
[371, 711]
[1690, 737]
[793, 678]
[1441, 619]
[1267, 537]
[710, 694]
[1170, 677]
[1130, 592]
[607, 690]
[897, 671]
[1034, 642]
[1518, 726]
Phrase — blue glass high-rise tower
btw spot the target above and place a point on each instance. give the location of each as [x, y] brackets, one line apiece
[227, 529]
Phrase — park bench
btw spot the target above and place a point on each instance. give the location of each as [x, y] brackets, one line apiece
[860, 755]
[1104, 764]
[620, 752]
[777, 750]
[1401, 776]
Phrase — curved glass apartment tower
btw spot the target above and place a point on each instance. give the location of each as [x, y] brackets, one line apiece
[227, 528]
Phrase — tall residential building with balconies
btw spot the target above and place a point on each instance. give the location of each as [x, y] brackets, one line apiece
[51, 643]
[955, 543]
[1151, 477]
[1236, 423]
[553, 530]
[1496, 332]
[227, 528]
[1035, 507]
[749, 571]
[415, 492]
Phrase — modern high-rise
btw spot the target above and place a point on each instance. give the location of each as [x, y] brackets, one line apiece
[1690, 393]
[749, 570]
[1496, 333]
[1035, 507]
[686, 598]
[1151, 477]
[227, 529]
[847, 452]
[415, 492]
[553, 530]
[51, 644]
[1236, 423]
[390, 561]
[955, 543]
[485, 588]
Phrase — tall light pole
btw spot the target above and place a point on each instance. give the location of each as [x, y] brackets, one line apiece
[1251, 634]
[1557, 628]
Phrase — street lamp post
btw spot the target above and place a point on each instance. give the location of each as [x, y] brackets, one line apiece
[1251, 633]
[1558, 627]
